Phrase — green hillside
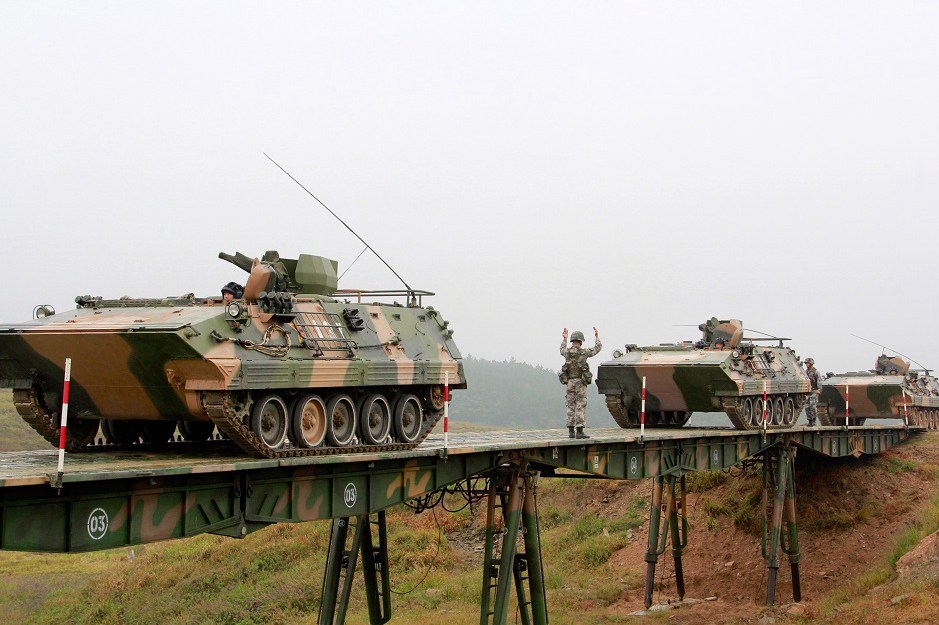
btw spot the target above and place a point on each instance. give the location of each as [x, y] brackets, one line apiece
[518, 395]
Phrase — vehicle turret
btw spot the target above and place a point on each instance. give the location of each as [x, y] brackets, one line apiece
[307, 274]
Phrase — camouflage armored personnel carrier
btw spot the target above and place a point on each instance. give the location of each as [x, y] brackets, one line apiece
[294, 366]
[879, 394]
[721, 372]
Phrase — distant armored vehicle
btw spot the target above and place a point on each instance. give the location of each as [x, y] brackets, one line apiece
[721, 372]
[293, 367]
[889, 391]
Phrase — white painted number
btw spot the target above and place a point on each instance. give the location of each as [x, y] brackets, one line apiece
[633, 465]
[97, 524]
[717, 458]
[349, 495]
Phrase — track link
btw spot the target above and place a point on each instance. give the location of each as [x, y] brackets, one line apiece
[31, 408]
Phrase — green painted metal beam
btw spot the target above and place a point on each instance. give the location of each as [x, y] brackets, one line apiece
[113, 500]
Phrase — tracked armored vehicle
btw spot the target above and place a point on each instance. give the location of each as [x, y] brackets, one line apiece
[888, 391]
[721, 372]
[291, 367]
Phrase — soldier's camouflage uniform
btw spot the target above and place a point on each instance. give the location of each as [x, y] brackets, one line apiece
[576, 401]
[811, 404]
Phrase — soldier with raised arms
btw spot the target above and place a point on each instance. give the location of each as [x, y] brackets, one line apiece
[575, 375]
[811, 404]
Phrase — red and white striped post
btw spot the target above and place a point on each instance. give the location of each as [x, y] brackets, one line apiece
[906, 414]
[847, 404]
[64, 422]
[642, 413]
[446, 411]
[765, 412]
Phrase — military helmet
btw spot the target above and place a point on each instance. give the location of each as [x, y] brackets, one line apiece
[577, 335]
[810, 361]
[235, 289]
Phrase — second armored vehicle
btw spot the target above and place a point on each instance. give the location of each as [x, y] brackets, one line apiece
[889, 391]
[721, 372]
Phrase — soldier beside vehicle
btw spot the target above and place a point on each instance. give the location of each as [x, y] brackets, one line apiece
[811, 402]
[575, 375]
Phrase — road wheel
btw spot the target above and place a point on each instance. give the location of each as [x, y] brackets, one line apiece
[748, 412]
[374, 419]
[82, 431]
[157, 432]
[269, 421]
[308, 422]
[341, 419]
[121, 432]
[408, 418]
[789, 412]
[779, 411]
[758, 412]
[196, 431]
[435, 397]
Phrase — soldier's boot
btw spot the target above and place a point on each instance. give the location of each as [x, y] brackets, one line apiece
[580, 433]
[570, 431]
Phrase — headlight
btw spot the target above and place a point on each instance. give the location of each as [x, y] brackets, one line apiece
[234, 310]
[617, 353]
[735, 354]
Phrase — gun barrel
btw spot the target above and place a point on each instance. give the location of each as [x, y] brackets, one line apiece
[238, 260]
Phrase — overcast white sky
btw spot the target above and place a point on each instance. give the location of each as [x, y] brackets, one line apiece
[630, 165]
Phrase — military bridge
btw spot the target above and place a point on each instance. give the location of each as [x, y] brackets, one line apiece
[115, 499]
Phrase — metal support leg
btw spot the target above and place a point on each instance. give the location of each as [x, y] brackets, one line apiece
[340, 571]
[791, 542]
[652, 552]
[333, 573]
[778, 484]
[512, 515]
[490, 569]
[349, 560]
[678, 525]
[539, 604]
[375, 570]
[521, 573]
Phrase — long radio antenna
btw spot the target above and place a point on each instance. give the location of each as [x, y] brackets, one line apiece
[348, 227]
[922, 366]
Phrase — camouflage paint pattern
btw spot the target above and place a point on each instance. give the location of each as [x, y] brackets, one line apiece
[701, 377]
[151, 359]
[879, 394]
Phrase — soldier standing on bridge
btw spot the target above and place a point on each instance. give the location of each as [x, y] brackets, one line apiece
[811, 404]
[575, 375]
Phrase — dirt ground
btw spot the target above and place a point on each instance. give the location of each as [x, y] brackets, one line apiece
[850, 514]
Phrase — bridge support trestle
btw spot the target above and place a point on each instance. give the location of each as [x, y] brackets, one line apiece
[779, 509]
[512, 507]
[667, 522]
[340, 569]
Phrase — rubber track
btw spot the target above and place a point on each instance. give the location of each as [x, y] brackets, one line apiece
[615, 405]
[218, 408]
[38, 417]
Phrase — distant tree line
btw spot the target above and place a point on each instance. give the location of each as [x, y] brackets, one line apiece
[518, 395]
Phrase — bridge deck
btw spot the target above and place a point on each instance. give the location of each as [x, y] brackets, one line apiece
[23, 468]
[123, 498]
